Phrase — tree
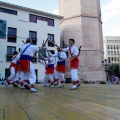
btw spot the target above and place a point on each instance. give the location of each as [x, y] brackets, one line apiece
[114, 69]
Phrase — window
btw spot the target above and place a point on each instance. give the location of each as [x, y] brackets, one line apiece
[39, 17]
[108, 59]
[12, 34]
[33, 36]
[117, 47]
[111, 58]
[52, 51]
[13, 12]
[33, 18]
[117, 52]
[114, 47]
[51, 38]
[111, 52]
[114, 52]
[108, 52]
[44, 19]
[50, 22]
[10, 52]
[108, 47]
[111, 47]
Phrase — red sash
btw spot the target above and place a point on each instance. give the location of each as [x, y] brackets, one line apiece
[49, 70]
[74, 64]
[61, 68]
[24, 65]
[12, 65]
[17, 67]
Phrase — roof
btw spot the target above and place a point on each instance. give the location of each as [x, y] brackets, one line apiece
[34, 11]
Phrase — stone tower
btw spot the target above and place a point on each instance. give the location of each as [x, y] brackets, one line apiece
[82, 21]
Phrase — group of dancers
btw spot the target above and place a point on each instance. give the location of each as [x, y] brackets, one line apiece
[23, 72]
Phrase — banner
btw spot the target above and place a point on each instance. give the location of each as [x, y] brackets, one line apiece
[3, 29]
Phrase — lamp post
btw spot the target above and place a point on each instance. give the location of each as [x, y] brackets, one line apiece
[107, 67]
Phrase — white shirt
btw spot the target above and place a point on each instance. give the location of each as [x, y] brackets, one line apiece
[61, 56]
[30, 50]
[74, 51]
[51, 61]
[46, 62]
[14, 60]
[18, 56]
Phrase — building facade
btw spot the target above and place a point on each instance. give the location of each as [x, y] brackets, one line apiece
[18, 23]
[82, 22]
[112, 48]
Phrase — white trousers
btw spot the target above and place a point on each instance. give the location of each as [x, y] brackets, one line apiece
[12, 73]
[31, 74]
[50, 77]
[74, 74]
[17, 76]
[55, 74]
[61, 76]
[21, 76]
[45, 79]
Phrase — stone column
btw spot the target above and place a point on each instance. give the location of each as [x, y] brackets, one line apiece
[82, 21]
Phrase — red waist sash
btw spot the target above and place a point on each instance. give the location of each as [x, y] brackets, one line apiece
[74, 63]
[24, 65]
[12, 65]
[49, 70]
[61, 68]
[17, 67]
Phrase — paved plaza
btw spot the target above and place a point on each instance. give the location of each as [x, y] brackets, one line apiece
[88, 102]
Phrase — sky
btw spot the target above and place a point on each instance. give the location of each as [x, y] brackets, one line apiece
[110, 12]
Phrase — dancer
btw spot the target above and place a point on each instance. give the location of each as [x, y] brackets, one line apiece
[74, 62]
[61, 65]
[49, 66]
[26, 53]
[12, 68]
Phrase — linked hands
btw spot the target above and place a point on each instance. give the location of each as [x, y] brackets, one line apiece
[44, 43]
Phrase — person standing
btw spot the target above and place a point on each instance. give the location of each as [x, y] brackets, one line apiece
[25, 65]
[49, 70]
[12, 68]
[61, 65]
[74, 62]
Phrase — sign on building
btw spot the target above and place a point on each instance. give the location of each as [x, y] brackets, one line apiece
[3, 29]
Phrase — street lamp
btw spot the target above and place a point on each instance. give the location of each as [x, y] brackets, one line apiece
[107, 67]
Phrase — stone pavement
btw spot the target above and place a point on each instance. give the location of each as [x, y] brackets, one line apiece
[88, 102]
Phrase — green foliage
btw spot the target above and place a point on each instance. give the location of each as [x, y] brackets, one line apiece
[114, 69]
